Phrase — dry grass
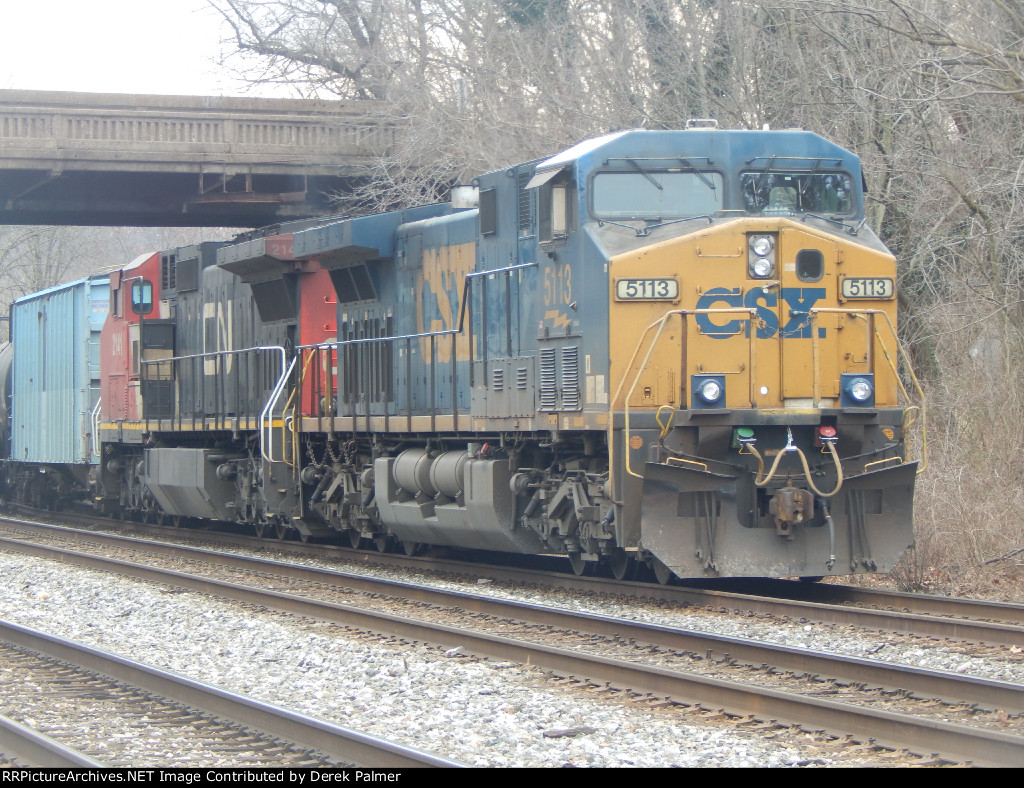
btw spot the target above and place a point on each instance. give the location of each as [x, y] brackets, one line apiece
[969, 504]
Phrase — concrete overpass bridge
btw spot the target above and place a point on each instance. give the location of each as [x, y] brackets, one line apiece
[176, 161]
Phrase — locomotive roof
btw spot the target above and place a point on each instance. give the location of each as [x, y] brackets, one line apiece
[731, 149]
[98, 279]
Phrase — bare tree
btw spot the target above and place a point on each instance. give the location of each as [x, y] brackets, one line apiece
[39, 257]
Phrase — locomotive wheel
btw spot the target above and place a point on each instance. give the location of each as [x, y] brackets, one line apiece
[663, 574]
[176, 521]
[382, 542]
[622, 565]
[580, 566]
[261, 529]
[412, 548]
[354, 538]
[281, 531]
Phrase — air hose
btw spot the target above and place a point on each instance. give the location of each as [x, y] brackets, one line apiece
[763, 481]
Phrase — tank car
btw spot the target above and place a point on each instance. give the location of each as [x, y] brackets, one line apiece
[666, 348]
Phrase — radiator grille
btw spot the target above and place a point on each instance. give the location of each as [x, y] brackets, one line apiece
[548, 380]
[570, 378]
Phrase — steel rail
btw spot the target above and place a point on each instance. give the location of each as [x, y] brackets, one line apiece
[896, 621]
[948, 687]
[25, 744]
[1005, 627]
[901, 601]
[891, 729]
[334, 741]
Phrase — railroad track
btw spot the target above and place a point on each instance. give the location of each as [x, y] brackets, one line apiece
[917, 615]
[527, 638]
[80, 706]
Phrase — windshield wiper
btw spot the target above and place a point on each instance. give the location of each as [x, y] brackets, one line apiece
[850, 228]
[764, 174]
[647, 175]
[807, 181]
[707, 181]
[643, 232]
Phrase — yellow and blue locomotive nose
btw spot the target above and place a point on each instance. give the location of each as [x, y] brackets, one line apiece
[769, 305]
[761, 423]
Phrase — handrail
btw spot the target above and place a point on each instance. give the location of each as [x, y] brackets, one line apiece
[267, 414]
[870, 315]
[751, 313]
[296, 392]
[423, 334]
[266, 438]
[218, 353]
[94, 436]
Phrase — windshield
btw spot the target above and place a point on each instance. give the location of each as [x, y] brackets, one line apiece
[656, 194]
[781, 193]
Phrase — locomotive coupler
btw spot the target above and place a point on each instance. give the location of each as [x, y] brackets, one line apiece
[790, 506]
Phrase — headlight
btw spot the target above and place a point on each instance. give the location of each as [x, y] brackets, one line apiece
[708, 391]
[761, 245]
[857, 391]
[860, 390]
[762, 268]
[761, 256]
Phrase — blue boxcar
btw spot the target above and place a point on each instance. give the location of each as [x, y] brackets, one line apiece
[56, 373]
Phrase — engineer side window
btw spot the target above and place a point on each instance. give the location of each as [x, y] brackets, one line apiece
[555, 210]
[135, 358]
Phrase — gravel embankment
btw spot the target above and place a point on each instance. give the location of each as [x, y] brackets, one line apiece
[478, 712]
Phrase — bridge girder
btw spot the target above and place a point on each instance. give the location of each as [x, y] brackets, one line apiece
[106, 159]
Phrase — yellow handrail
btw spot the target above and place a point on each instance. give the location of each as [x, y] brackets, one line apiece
[870, 315]
[284, 422]
[751, 314]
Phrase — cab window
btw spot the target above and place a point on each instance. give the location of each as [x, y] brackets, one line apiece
[554, 208]
[653, 194]
[142, 297]
[784, 193]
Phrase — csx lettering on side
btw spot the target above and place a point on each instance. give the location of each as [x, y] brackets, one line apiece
[799, 301]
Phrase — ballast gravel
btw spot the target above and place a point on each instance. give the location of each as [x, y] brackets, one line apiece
[480, 713]
[997, 664]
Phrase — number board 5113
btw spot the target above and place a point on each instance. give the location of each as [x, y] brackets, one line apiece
[864, 287]
[647, 290]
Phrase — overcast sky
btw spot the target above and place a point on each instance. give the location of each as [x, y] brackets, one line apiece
[113, 46]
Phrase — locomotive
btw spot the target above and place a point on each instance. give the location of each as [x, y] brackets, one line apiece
[672, 349]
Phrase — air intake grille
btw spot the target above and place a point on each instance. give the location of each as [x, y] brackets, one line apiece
[548, 380]
[525, 206]
[570, 378]
[168, 272]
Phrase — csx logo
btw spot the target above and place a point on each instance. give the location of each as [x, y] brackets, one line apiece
[798, 299]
